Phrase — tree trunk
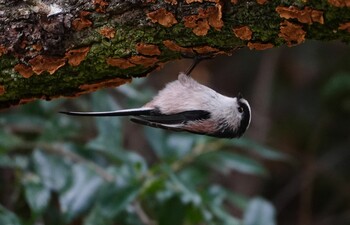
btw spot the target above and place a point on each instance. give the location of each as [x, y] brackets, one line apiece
[50, 49]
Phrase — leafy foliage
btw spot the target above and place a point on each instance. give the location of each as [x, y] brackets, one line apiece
[56, 169]
[73, 170]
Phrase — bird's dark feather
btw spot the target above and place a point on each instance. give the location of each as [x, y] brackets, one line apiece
[177, 118]
[142, 121]
[244, 121]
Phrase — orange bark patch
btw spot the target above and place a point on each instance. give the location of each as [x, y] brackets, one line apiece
[76, 56]
[175, 47]
[24, 70]
[120, 62]
[234, 1]
[37, 47]
[162, 17]
[345, 26]
[2, 90]
[191, 21]
[202, 27]
[306, 15]
[243, 33]
[81, 22]
[100, 5]
[172, 2]
[214, 17]
[317, 16]
[108, 32]
[205, 49]
[259, 46]
[200, 24]
[26, 100]
[147, 49]
[142, 60]
[132, 61]
[339, 3]
[23, 44]
[261, 2]
[3, 50]
[87, 88]
[292, 33]
[50, 64]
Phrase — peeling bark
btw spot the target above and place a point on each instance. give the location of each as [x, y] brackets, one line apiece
[50, 49]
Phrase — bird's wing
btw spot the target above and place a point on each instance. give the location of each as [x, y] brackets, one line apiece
[124, 112]
[176, 118]
[172, 127]
[173, 122]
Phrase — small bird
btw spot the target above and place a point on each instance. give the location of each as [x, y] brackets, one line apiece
[186, 105]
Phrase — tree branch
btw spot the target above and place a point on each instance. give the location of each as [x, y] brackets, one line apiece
[73, 47]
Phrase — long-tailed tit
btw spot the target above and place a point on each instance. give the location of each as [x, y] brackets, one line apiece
[186, 105]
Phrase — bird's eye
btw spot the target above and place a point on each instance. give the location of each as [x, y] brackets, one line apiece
[240, 109]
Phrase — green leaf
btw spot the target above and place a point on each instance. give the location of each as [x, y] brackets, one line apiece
[53, 171]
[336, 93]
[17, 118]
[238, 200]
[112, 201]
[14, 161]
[51, 105]
[258, 149]
[153, 185]
[172, 212]
[259, 212]
[180, 144]
[37, 195]
[224, 162]
[135, 162]
[214, 198]
[82, 192]
[224, 217]
[117, 199]
[215, 195]
[6, 161]
[8, 141]
[109, 128]
[186, 193]
[337, 85]
[194, 175]
[95, 218]
[168, 147]
[156, 138]
[59, 127]
[198, 215]
[7, 217]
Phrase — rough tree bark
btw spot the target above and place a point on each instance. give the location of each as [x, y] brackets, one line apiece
[50, 49]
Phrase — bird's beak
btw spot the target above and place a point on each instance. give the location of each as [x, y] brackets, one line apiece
[239, 96]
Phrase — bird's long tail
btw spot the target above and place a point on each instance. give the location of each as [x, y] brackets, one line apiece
[123, 112]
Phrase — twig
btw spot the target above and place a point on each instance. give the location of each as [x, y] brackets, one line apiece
[142, 214]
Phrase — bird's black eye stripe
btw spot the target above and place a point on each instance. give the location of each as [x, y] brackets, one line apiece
[244, 121]
[240, 109]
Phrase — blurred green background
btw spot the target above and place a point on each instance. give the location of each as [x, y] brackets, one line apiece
[291, 167]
